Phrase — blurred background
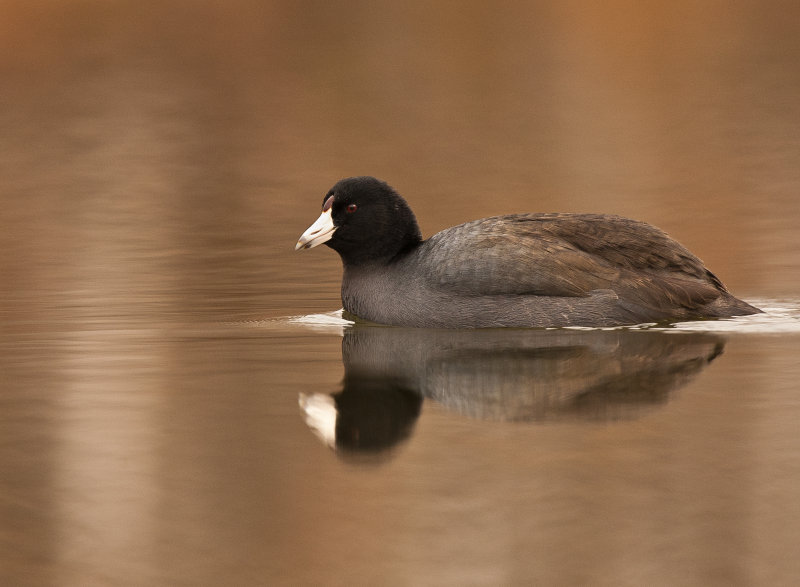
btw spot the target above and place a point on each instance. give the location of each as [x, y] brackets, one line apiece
[158, 162]
[146, 144]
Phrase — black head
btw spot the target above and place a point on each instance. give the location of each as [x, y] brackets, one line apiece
[364, 220]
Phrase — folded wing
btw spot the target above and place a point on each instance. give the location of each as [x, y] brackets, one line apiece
[568, 255]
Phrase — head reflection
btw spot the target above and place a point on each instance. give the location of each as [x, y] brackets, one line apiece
[370, 414]
[510, 375]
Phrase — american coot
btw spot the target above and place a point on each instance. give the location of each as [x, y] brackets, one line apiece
[536, 270]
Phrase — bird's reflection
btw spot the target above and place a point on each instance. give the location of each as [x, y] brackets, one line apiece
[511, 375]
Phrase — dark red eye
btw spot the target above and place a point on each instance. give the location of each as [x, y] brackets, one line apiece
[351, 208]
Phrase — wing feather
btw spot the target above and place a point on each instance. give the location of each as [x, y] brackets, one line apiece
[568, 255]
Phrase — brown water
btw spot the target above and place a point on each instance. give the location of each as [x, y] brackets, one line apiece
[158, 162]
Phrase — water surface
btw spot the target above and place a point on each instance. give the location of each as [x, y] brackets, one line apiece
[181, 403]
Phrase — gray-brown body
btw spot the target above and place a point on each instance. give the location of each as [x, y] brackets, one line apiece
[539, 270]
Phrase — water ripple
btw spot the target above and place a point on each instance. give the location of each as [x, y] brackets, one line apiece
[779, 317]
